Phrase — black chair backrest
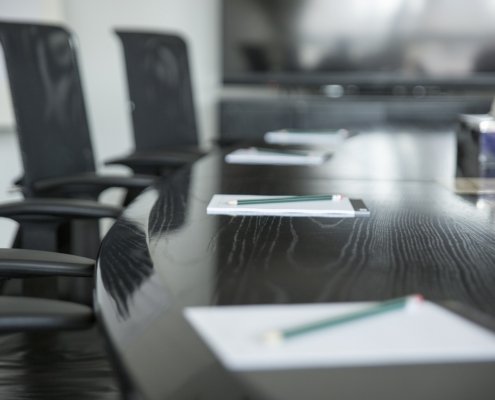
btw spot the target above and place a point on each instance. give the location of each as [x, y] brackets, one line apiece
[48, 101]
[159, 89]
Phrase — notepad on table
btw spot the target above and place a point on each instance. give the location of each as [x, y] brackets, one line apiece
[310, 137]
[425, 334]
[256, 155]
[344, 207]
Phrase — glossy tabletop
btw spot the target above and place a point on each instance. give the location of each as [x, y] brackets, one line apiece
[165, 253]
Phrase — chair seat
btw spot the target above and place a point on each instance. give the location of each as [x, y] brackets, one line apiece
[35, 314]
[174, 157]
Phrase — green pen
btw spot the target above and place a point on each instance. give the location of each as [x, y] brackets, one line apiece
[280, 151]
[279, 335]
[286, 199]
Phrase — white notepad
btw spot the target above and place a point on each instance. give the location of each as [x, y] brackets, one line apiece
[321, 208]
[429, 334]
[331, 138]
[255, 155]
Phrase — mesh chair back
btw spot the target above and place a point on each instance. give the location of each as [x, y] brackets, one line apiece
[160, 90]
[48, 101]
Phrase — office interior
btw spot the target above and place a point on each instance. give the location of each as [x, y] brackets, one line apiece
[103, 73]
[284, 82]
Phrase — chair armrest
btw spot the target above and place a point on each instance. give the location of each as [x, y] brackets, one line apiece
[53, 209]
[91, 183]
[174, 158]
[19, 181]
[133, 162]
[21, 314]
[21, 263]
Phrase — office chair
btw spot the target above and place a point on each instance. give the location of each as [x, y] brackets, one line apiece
[26, 313]
[40, 219]
[50, 348]
[35, 314]
[22, 263]
[52, 127]
[40, 228]
[160, 92]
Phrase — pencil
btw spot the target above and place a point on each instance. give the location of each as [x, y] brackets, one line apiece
[279, 335]
[286, 199]
[280, 151]
[316, 132]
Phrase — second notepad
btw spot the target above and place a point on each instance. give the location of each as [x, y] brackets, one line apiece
[256, 155]
[221, 204]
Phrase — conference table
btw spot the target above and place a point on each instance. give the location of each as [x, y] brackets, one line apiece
[165, 254]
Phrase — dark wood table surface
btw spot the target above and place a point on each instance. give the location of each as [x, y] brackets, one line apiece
[165, 253]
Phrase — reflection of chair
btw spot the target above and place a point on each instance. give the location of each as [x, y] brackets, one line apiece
[131, 240]
[160, 92]
[51, 118]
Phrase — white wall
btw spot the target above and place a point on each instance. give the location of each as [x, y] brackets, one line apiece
[102, 65]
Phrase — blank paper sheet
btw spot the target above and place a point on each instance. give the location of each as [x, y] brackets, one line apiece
[427, 334]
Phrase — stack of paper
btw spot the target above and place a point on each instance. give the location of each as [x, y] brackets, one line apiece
[331, 138]
[426, 334]
[222, 204]
[255, 155]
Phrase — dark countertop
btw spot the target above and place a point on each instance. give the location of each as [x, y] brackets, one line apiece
[165, 253]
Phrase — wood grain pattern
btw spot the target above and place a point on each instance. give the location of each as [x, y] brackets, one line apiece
[165, 253]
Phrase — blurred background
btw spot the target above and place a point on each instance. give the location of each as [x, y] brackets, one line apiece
[271, 64]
